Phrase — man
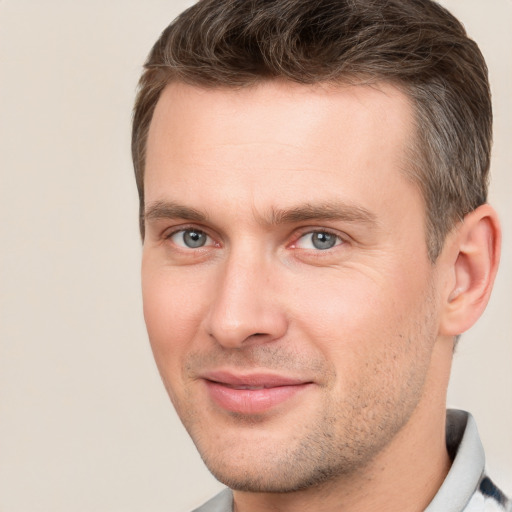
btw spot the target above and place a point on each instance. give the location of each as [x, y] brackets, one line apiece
[313, 182]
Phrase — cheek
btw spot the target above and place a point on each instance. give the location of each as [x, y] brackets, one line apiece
[358, 320]
[172, 311]
[378, 342]
[342, 307]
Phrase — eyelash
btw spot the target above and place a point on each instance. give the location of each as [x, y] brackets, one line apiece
[339, 240]
[183, 230]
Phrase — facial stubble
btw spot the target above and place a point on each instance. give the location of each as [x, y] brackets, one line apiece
[337, 443]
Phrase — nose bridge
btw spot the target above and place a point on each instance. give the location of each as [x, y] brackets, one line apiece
[244, 305]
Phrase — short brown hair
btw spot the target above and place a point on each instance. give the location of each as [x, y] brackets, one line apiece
[415, 44]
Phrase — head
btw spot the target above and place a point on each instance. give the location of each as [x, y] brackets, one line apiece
[303, 169]
[417, 46]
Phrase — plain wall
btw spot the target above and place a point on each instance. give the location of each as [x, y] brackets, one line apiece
[85, 424]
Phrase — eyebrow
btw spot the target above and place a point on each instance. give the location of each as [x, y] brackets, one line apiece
[332, 210]
[170, 210]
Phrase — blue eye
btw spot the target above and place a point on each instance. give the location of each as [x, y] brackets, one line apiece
[190, 238]
[319, 240]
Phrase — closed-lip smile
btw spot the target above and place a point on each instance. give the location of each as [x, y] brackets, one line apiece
[253, 393]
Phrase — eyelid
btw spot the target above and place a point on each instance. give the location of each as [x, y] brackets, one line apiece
[168, 233]
[171, 232]
[341, 238]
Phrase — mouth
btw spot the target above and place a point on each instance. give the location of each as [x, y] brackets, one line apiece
[252, 394]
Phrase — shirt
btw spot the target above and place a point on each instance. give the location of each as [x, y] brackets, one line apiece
[466, 488]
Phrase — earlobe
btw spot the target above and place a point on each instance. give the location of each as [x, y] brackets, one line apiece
[473, 252]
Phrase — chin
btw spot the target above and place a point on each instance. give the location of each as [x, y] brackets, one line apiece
[272, 479]
[280, 466]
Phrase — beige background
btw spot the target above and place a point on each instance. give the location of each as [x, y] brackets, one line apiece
[85, 424]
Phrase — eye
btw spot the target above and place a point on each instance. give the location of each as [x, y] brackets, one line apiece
[319, 240]
[190, 238]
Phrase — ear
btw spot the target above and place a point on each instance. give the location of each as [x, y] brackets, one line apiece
[472, 253]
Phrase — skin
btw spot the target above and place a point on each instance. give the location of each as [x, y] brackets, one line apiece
[363, 329]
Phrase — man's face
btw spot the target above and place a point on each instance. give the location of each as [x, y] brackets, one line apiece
[288, 296]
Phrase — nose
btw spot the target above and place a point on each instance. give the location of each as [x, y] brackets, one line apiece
[245, 304]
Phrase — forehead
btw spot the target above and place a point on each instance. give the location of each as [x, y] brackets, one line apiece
[193, 113]
[342, 139]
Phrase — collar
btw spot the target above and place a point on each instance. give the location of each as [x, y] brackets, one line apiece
[466, 450]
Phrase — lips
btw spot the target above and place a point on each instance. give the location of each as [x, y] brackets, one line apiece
[251, 394]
